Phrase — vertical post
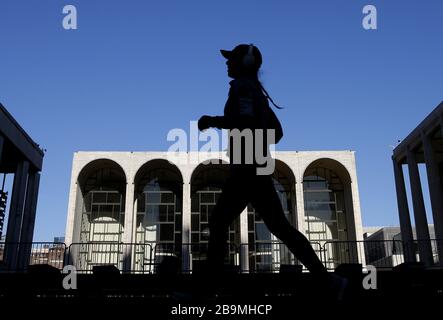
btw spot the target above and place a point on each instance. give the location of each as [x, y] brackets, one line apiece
[300, 205]
[28, 220]
[421, 223]
[128, 228]
[186, 227]
[244, 245]
[16, 214]
[435, 193]
[403, 212]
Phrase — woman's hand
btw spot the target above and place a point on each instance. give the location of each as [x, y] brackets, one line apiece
[204, 122]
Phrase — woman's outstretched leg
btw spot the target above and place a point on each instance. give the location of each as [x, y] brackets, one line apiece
[268, 206]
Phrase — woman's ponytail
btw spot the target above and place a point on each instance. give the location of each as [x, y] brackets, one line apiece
[268, 97]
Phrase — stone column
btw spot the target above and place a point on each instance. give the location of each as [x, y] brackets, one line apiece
[435, 192]
[299, 198]
[421, 223]
[27, 232]
[403, 212]
[129, 227]
[186, 227]
[16, 214]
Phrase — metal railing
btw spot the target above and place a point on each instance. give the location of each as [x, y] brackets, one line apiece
[269, 257]
[126, 257]
[379, 253]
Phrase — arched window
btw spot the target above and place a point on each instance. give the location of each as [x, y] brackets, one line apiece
[324, 205]
[206, 186]
[326, 219]
[158, 195]
[102, 220]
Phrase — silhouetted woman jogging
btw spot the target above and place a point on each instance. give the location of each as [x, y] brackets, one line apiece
[247, 108]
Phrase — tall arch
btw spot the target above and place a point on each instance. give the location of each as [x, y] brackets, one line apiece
[158, 194]
[207, 181]
[100, 213]
[329, 211]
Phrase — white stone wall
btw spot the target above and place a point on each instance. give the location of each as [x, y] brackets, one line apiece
[131, 162]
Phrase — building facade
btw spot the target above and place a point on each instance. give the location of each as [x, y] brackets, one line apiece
[424, 145]
[21, 158]
[132, 209]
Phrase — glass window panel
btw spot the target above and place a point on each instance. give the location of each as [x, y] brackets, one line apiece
[99, 227]
[167, 197]
[315, 184]
[171, 215]
[153, 197]
[152, 213]
[264, 258]
[99, 197]
[262, 232]
[323, 215]
[114, 197]
[163, 212]
[321, 206]
[204, 235]
[194, 202]
[207, 197]
[204, 226]
[166, 232]
[318, 196]
[195, 222]
[106, 210]
[204, 216]
[262, 247]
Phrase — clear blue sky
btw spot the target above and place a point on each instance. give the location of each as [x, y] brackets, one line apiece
[133, 70]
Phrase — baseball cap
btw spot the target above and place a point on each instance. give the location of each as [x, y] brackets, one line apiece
[240, 51]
